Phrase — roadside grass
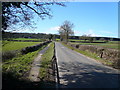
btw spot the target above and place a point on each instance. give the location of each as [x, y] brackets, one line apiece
[21, 65]
[46, 61]
[11, 45]
[89, 54]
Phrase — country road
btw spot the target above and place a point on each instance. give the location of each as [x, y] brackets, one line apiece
[79, 71]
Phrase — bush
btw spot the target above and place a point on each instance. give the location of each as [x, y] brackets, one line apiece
[8, 55]
[77, 46]
[33, 48]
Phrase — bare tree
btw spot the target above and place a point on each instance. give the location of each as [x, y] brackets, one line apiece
[23, 12]
[65, 30]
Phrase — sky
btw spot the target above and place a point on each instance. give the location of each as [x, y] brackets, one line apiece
[89, 18]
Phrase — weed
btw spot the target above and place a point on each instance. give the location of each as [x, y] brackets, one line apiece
[46, 61]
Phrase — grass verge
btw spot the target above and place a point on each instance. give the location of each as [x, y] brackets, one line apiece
[15, 72]
[91, 55]
[46, 62]
[21, 65]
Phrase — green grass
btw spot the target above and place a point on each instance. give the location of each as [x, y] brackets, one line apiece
[75, 40]
[46, 61]
[25, 39]
[11, 45]
[21, 65]
[113, 45]
[89, 54]
[0, 46]
[57, 39]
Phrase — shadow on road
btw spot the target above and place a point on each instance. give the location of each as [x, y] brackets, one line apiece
[10, 81]
[79, 75]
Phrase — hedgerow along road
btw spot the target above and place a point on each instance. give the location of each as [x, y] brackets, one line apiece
[78, 71]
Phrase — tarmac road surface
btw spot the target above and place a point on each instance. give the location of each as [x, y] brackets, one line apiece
[79, 71]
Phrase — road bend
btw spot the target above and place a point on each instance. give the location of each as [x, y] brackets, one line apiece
[79, 71]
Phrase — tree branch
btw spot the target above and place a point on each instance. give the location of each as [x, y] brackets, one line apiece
[35, 10]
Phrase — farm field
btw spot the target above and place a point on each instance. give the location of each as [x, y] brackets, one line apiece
[12, 45]
[26, 39]
[75, 40]
[111, 44]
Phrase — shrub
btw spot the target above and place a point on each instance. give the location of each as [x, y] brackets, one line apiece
[77, 46]
[33, 48]
[8, 55]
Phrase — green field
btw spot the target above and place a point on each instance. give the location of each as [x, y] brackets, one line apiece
[57, 39]
[75, 40]
[26, 39]
[12, 45]
[111, 44]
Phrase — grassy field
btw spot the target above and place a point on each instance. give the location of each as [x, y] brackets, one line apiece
[75, 40]
[11, 45]
[25, 39]
[112, 44]
[46, 61]
[57, 39]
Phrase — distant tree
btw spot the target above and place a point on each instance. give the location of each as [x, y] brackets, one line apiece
[50, 36]
[22, 12]
[65, 30]
[106, 40]
[91, 39]
[54, 37]
[111, 39]
[84, 37]
[94, 39]
[102, 39]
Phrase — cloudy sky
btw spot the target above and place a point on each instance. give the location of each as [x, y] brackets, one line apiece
[94, 18]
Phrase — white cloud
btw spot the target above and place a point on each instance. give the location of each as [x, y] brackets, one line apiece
[51, 30]
[91, 33]
[76, 32]
[107, 32]
[56, 28]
